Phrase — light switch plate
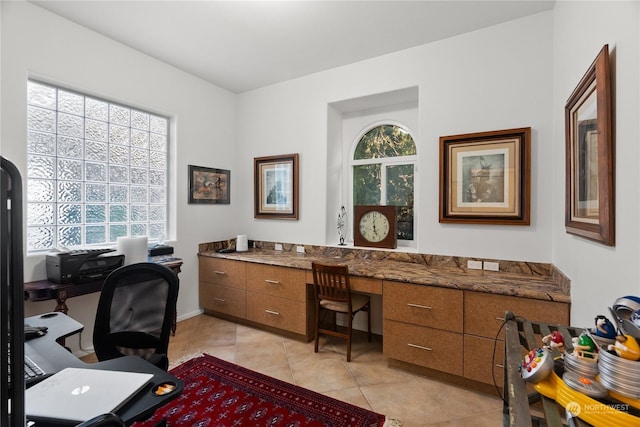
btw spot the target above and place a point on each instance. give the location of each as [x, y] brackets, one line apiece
[278, 246]
[300, 249]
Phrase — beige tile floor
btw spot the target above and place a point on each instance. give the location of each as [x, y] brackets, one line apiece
[367, 381]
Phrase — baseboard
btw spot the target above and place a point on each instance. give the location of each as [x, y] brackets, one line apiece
[186, 316]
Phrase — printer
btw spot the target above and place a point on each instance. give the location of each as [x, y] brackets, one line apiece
[82, 265]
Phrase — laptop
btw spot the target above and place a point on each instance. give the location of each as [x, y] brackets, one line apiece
[74, 395]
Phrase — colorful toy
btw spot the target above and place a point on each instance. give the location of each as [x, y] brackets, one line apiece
[554, 340]
[626, 347]
[604, 328]
[584, 347]
[537, 365]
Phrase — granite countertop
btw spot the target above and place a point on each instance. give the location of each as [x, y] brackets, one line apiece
[522, 283]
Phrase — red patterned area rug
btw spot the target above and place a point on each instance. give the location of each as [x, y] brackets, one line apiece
[219, 393]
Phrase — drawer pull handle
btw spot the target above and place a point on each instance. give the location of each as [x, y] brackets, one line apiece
[220, 272]
[273, 282]
[500, 319]
[499, 366]
[426, 307]
[419, 346]
[275, 313]
[220, 300]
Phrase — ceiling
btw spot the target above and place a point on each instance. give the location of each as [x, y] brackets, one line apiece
[244, 45]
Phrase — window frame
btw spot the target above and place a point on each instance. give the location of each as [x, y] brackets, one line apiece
[384, 162]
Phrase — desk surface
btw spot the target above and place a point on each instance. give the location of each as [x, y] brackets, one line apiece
[61, 326]
[44, 290]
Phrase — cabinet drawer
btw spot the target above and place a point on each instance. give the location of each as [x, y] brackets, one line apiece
[478, 362]
[423, 305]
[223, 272]
[484, 313]
[280, 313]
[358, 284]
[223, 299]
[277, 281]
[428, 347]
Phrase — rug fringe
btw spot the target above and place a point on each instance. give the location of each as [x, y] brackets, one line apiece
[183, 359]
[392, 422]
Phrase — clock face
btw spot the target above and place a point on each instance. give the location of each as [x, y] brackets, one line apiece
[374, 226]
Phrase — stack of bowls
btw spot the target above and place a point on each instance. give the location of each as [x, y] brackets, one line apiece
[619, 375]
[581, 366]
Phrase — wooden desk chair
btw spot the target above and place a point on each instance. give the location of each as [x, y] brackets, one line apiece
[333, 294]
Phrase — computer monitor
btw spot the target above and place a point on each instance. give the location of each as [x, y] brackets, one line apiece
[11, 296]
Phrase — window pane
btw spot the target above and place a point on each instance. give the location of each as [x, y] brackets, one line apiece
[400, 193]
[69, 102]
[95, 234]
[41, 95]
[385, 141]
[366, 185]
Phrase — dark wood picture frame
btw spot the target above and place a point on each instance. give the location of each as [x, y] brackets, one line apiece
[276, 187]
[209, 185]
[485, 177]
[590, 169]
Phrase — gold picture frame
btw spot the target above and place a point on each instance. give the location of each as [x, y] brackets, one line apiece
[276, 187]
[590, 204]
[485, 177]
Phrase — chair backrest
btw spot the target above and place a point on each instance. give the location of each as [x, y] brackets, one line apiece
[331, 282]
[135, 311]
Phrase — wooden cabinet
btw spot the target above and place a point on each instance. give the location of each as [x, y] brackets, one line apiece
[448, 330]
[422, 325]
[483, 318]
[222, 286]
[276, 297]
[484, 313]
[483, 360]
[422, 346]
[279, 297]
[423, 305]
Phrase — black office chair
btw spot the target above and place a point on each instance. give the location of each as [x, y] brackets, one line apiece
[135, 313]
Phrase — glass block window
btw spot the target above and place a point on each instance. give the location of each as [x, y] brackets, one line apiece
[97, 170]
[383, 173]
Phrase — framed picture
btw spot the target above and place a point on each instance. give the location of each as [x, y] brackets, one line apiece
[276, 187]
[485, 177]
[589, 205]
[207, 185]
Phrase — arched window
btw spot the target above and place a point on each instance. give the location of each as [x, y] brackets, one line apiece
[383, 170]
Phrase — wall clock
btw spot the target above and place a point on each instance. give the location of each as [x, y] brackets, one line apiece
[375, 226]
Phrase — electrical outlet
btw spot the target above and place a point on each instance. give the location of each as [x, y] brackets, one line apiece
[278, 247]
[300, 249]
[491, 266]
[474, 265]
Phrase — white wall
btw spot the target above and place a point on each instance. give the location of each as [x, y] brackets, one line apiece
[40, 44]
[496, 78]
[599, 274]
[514, 74]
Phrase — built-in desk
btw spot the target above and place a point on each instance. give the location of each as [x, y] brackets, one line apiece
[437, 314]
